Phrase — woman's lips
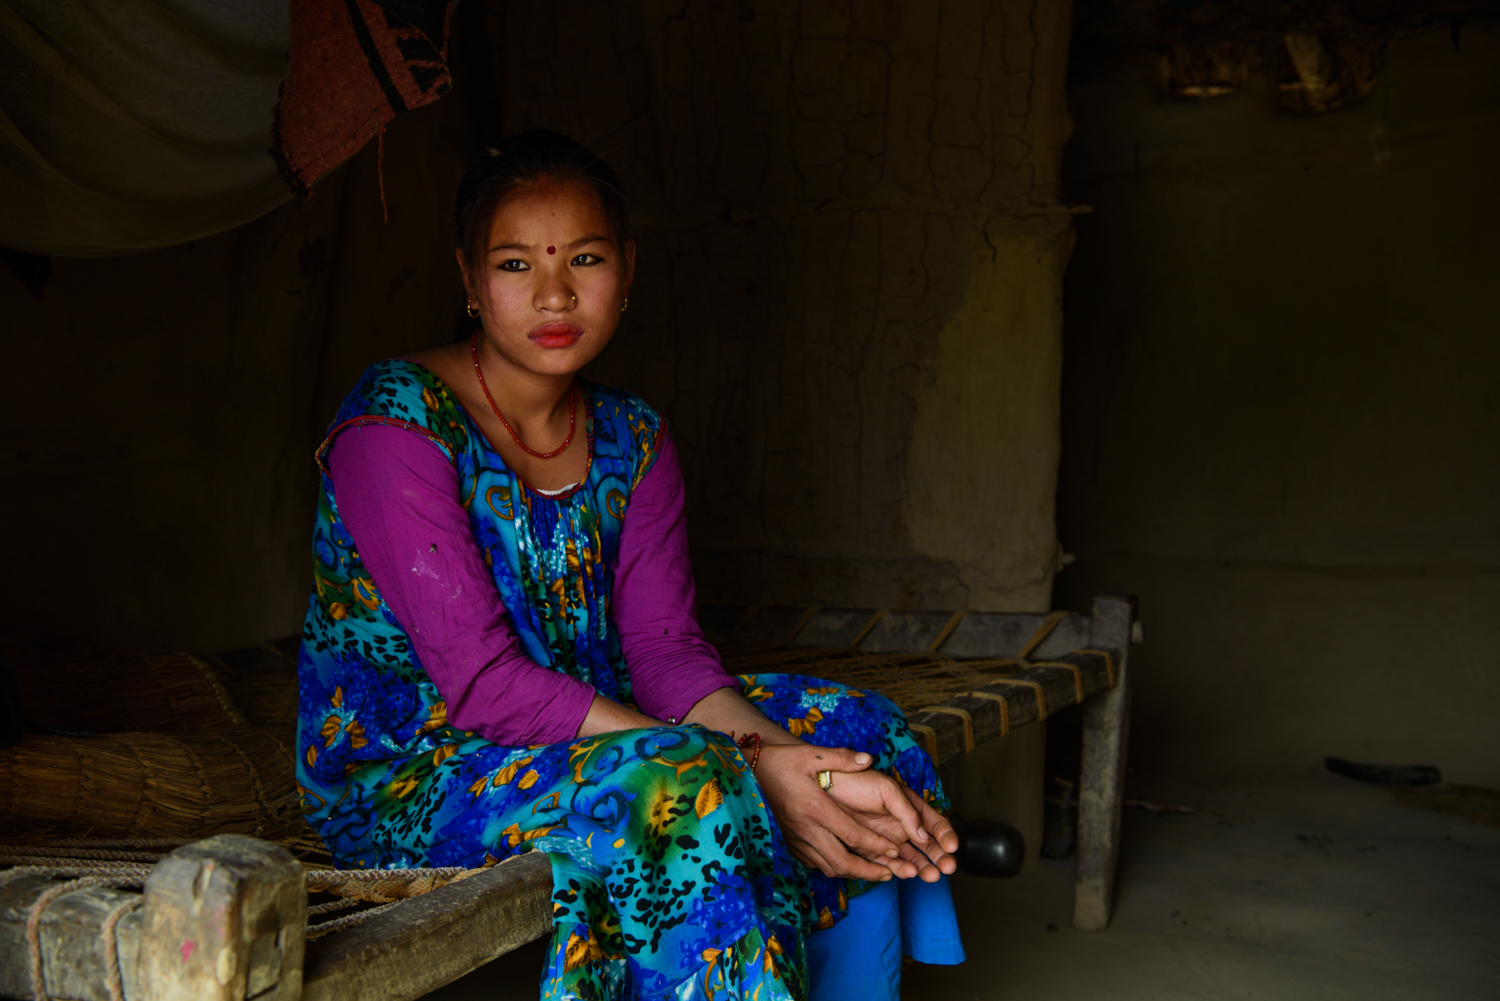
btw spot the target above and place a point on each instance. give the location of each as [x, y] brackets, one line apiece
[556, 335]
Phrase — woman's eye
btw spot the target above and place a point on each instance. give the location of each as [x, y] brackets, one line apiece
[514, 264]
[584, 260]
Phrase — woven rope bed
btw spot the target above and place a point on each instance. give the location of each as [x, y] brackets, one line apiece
[73, 923]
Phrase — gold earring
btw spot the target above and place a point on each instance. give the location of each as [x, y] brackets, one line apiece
[471, 310]
[575, 298]
[624, 304]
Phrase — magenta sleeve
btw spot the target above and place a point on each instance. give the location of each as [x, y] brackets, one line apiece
[397, 494]
[671, 665]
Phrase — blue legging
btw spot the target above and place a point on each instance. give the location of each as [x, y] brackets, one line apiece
[859, 959]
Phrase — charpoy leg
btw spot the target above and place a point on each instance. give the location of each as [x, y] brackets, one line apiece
[1106, 733]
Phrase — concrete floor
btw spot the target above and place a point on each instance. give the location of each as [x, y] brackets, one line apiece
[1300, 887]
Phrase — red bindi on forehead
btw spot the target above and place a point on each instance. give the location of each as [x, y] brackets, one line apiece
[551, 250]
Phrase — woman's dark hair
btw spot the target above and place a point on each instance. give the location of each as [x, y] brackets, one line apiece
[525, 159]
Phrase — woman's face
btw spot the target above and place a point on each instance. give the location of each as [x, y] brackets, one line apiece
[553, 281]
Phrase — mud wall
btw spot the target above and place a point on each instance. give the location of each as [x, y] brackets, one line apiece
[1283, 413]
[849, 307]
[849, 296]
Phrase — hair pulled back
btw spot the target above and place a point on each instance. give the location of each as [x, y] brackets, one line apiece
[524, 160]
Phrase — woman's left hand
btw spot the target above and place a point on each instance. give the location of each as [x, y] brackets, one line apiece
[886, 806]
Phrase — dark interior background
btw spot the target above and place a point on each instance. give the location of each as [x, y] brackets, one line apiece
[1281, 409]
[1262, 394]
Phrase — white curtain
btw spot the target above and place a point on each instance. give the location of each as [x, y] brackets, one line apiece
[127, 125]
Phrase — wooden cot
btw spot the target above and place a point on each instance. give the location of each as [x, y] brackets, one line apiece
[226, 918]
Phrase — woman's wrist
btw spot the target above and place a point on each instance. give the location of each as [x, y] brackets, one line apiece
[729, 712]
[608, 716]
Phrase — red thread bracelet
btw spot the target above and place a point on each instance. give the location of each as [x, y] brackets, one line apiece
[754, 758]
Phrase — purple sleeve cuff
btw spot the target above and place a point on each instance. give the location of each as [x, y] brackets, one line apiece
[671, 665]
[397, 494]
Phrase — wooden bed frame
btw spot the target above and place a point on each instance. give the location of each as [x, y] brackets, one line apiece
[224, 919]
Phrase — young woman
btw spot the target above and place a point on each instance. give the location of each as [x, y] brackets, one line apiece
[500, 652]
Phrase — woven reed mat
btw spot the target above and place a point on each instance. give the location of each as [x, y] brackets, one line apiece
[911, 680]
[145, 745]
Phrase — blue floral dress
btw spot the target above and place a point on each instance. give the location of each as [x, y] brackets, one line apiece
[671, 878]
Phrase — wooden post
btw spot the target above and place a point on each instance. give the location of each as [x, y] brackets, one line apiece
[1106, 730]
[224, 919]
[436, 938]
[75, 963]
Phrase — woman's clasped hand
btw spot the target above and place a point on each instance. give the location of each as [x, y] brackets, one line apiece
[866, 825]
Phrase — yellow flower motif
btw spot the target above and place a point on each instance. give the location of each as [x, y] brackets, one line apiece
[443, 753]
[356, 732]
[364, 592]
[709, 798]
[528, 780]
[437, 718]
[504, 775]
[339, 611]
[338, 696]
[756, 693]
[330, 730]
[402, 788]
[798, 727]
[580, 950]
[773, 947]
[660, 816]
[430, 398]
[514, 835]
[312, 755]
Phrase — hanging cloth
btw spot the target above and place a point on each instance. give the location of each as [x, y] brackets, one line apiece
[130, 125]
[136, 124]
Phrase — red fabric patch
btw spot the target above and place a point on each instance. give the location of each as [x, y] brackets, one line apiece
[355, 65]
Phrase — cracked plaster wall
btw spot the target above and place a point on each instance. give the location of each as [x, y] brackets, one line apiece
[850, 269]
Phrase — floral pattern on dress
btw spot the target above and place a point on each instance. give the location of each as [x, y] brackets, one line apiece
[671, 878]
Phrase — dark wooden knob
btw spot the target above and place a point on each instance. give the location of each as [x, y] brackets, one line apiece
[986, 848]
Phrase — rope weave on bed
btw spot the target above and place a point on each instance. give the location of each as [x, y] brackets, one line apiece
[383, 886]
[950, 704]
[911, 680]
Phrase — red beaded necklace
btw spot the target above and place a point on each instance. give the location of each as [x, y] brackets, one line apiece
[572, 410]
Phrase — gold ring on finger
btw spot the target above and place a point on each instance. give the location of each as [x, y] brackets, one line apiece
[825, 780]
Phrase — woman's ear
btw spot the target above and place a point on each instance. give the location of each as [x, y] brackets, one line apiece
[629, 266]
[463, 270]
